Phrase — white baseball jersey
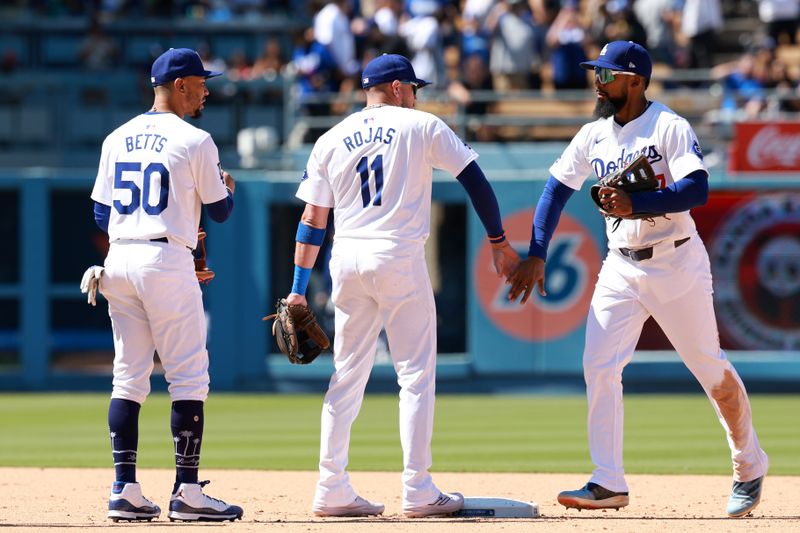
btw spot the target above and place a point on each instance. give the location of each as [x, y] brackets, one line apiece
[603, 146]
[672, 284]
[155, 171]
[375, 168]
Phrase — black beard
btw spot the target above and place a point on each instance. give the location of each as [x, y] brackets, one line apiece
[607, 107]
[197, 114]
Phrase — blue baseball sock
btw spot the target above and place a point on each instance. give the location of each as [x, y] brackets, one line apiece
[123, 427]
[187, 433]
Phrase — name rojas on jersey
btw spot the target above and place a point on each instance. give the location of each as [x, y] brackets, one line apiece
[369, 134]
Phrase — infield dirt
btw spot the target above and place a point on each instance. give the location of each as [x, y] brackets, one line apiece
[75, 500]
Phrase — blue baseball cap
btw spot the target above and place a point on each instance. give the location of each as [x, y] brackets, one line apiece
[624, 56]
[390, 67]
[178, 63]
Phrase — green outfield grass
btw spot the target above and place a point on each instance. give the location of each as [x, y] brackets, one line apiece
[664, 434]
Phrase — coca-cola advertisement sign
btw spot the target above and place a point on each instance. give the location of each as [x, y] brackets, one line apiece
[766, 147]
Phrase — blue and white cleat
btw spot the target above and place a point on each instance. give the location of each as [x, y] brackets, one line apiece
[189, 504]
[127, 503]
[745, 497]
[593, 496]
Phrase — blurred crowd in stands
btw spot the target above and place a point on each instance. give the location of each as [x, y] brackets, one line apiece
[111, 10]
[464, 46]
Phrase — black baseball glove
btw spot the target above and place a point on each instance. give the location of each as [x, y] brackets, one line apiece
[297, 332]
[636, 178]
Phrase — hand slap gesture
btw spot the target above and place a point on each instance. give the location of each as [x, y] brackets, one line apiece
[528, 274]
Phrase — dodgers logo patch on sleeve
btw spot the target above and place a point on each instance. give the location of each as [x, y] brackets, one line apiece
[696, 149]
[305, 175]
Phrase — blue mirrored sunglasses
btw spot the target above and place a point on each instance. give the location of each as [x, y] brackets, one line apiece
[606, 75]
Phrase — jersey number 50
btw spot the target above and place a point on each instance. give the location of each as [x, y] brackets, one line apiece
[141, 196]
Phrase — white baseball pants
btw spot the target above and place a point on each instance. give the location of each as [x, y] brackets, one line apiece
[155, 303]
[675, 287]
[376, 287]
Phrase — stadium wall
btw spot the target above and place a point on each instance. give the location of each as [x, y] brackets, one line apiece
[50, 339]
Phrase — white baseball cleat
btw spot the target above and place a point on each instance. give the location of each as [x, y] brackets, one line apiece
[445, 504]
[191, 505]
[128, 503]
[359, 507]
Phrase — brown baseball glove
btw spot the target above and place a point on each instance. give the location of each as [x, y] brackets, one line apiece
[636, 178]
[297, 332]
[201, 270]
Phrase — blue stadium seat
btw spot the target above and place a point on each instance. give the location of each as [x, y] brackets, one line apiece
[17, 45]
[35, 124]
[89, 125]
[219, 123]
[140, 50]
[6, 124]
[61, 50]
[225, 45]
[121, 115]
[264, 116]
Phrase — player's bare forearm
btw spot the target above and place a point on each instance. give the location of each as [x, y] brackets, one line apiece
[305, 255]
[528, 274]
[505, 259]
[315, 215]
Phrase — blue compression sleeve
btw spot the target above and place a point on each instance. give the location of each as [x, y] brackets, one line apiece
[102, 213]
[221, 210]
[482, 197]
[548, 212]
[682, 195]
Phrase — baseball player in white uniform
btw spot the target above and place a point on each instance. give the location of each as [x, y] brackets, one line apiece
[374, 170]
[656, 267]
[155, 171]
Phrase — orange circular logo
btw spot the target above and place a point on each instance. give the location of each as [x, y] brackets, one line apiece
[573, 262]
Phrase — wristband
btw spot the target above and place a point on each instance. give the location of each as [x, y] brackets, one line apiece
[309, 234]
[497, 242]
[300, 281]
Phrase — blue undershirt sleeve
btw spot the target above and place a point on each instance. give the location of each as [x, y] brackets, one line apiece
[482, 197]
[102, 213]
[684, 194]
[220, 211]
[548, 212]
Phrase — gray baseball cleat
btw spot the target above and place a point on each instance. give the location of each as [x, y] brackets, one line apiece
[593, 496]
[358, 507]
[445, 504]
[745, 497]
[189, 504]
[127, 503]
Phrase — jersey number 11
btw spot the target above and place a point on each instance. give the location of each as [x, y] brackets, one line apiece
[363, 168]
